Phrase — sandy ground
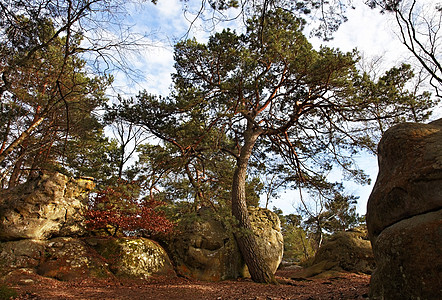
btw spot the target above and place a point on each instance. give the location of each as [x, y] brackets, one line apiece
[339, 286]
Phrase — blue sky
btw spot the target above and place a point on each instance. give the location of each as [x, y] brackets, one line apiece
[367, 30]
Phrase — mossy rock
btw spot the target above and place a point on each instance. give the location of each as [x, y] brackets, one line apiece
[205, 249]
[23, 254]
[350, 250]
[133, 257]
[70, 259]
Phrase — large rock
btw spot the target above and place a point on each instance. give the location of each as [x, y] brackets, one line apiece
[206, 248]
[60, 258]
[410, 175]
[70, 258]
[404, 213]
[66, 258]
[23, 254]
[267, 229]
[408, 259]
[135, 258]
[350, 250]
[44, 207]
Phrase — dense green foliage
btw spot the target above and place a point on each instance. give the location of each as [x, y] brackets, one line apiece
[48, 101]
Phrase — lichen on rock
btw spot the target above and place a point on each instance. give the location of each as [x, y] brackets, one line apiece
[133, 257]
[206, 248]
[47, 206]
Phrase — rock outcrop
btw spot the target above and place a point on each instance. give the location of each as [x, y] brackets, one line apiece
[348, 251]
[42, 227]
[267, 229]
[69, 259]
[206, 249]
[66, 258]
[137, 258]
[47, 206]
[23, 254]
[404, 213]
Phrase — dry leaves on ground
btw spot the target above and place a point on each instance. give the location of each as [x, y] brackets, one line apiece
[341, 286]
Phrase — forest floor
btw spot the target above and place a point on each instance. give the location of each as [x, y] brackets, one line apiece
[339, 286]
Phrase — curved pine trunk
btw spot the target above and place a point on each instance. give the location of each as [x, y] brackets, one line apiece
[258, 268]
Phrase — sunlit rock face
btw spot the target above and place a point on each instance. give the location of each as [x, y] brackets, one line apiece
[404, 213]
[66, 258]
[350, 251]
[206, 248]
[267, 229]
[134, 258]
[44, 207]
[42, 231]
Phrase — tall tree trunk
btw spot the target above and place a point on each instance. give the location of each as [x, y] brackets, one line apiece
[15, 175]
[17, 142]
[258, 268]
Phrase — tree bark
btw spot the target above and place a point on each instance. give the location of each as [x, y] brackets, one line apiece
[258, 268]
[20, 139]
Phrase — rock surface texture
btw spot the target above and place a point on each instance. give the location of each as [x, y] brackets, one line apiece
[66, 258]
[345, 251]
[206, 249]
[351, 252]
[47, 206]
[404, 213]
[134, 258]
[267, 229]
[42, 225]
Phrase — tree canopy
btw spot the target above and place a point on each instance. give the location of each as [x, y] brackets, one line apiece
[267, 95]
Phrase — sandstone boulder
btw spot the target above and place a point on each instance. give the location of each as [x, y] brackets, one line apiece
[136, 258]
[206, 249]
[267, 229]
[70, 258]
[345, 251]
[350, 251]
[67, 258]
[404, 213]
[44, 207]
[408, 259]
[23, 254]
[410, 175]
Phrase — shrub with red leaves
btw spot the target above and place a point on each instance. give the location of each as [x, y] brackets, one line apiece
[117, 210]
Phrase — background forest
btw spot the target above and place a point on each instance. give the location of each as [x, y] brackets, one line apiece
[252, 111]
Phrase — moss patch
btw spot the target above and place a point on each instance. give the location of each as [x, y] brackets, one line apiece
[7, 292]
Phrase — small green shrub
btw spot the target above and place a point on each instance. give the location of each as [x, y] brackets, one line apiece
[6, 292]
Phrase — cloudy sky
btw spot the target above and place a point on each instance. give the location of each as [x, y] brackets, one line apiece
[372, 33]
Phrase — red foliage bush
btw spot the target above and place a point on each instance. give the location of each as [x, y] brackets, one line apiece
[116, 209]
